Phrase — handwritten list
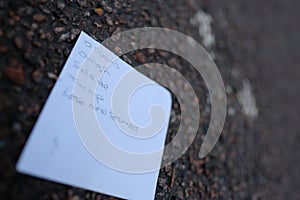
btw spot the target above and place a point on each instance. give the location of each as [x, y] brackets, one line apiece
[57, 150]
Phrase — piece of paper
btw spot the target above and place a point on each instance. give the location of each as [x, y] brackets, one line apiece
[66, 145]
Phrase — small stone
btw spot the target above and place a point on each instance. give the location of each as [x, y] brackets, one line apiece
[39, 17]
[18, 42]
[52, 75]
[97, 24]
[30, 35]
[46, 10]
[42, 34]
[163, 54]
[34, 26]
[87, 14]
[61, 5]
[58, 29]
[117, 4]
[106, 7]
[37, 75]
[146, 16]
[75, 33]
[109, 21]
[140, 57]
[172, 62]
[63, 20]
[126, 59]
[99, 11]
[64, 36]
[81, 2]
[151, 51]
[15, 72]
[37, 43]
[83, 23]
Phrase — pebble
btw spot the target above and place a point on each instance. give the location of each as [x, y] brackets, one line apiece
[46, 10]
[109, 21]
[39, 17]
[30, 35]
[51, 75]
[74, 33]
[81, 2]
[99, 11]
[151, 51]
[15, 72]
[58, 29]
[87, 14]
[64, 36]
[163, 54]
[34, 26]
[37, 75]
[42, 34]
[106, 7]
[172, 62]
[18, 42]
[61, 5]
[97, 24]
[140, 57]
[37, 43]
[126, 59]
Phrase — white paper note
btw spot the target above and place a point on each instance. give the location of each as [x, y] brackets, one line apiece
[65, 145]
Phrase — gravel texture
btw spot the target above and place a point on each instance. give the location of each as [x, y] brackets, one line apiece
[254, 42]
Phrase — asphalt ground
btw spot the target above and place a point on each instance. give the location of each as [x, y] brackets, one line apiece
[256, 47]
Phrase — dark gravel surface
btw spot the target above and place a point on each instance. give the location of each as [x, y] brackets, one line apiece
[255, 158]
